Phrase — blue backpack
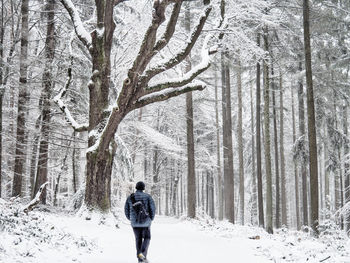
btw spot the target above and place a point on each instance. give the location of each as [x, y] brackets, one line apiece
[140, 210]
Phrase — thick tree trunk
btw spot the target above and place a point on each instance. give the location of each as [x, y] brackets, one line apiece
[20, 153]
[283, 165]
[303, 135]
[42, 172]
[98, 180]
[258, 144]
[296, 175]
[99, 162]
[240, 142]
[267, 142]
[311, 122]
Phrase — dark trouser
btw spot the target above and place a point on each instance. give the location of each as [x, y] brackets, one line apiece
[142, 237]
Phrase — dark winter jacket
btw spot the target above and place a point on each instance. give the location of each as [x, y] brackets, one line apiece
[149, 206]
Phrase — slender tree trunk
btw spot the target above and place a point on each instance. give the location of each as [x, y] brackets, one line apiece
[64, 169]
[311, 122]
[227, 141]
[326, 175]
[20, 153]
[2, 88]
[346, 167]
[34, 157]
[229, 177]
[42, 172]
[269, 214]
[275, 140]
[258, 145]
[254, 185]
[283, 165]
[219, 176]
[191, 174]
[74, 166]
[303, 135]
[240, 142]
[296, 176]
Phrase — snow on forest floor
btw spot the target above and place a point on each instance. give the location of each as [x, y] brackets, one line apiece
[46, 236]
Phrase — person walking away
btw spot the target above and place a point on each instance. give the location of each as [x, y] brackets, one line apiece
[140, 210]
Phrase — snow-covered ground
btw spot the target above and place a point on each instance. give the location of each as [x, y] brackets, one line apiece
[42, 237]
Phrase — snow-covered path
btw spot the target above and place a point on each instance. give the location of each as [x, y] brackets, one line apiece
[172, 241]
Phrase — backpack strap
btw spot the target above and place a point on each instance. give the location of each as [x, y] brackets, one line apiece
[132, 198]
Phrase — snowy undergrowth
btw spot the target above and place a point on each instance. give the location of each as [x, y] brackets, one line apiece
[285, 245]
[51, 235]
[31, 238]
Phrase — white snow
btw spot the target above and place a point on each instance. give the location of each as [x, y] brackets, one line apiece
[56, 236]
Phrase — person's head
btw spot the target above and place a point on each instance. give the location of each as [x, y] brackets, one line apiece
[140, 186]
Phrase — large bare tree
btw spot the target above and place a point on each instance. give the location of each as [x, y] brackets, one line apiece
[136, 90]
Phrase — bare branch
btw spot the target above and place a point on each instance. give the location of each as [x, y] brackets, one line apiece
[29, 207]
[170, 29]
[167, 94]
[58, 100]
[81, 32]
[182, 54]
[117, 2]
[188, 77]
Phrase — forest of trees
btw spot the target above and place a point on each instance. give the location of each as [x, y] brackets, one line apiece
[91, 102]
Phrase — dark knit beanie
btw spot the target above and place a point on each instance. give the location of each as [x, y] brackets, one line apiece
[140, 185]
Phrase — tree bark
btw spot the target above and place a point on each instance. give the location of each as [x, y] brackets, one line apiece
[275, 140]
[311, 122]
[20, 153]
[346, 167]
[258, 144]
[240, 141]
[2, 88]
[254, 213]
[50, 46]
[296, 175]
[220, 180]
[283, 165]
[228, 151]
[269, 213]
[191, 174]
[302, 134]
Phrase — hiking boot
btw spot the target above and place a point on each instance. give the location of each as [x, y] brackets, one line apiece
[142, 257]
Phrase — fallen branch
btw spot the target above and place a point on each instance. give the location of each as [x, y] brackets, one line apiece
[325, 259]
[36, 199]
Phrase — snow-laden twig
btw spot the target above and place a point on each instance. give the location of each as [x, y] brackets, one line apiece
[80, 30]
[29, 207]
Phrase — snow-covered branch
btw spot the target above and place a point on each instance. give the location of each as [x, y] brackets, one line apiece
[168, 93]
[81, 32]
[58, 100]
[29, 207]
[188, 77]
[179, 57]
[170, 29]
